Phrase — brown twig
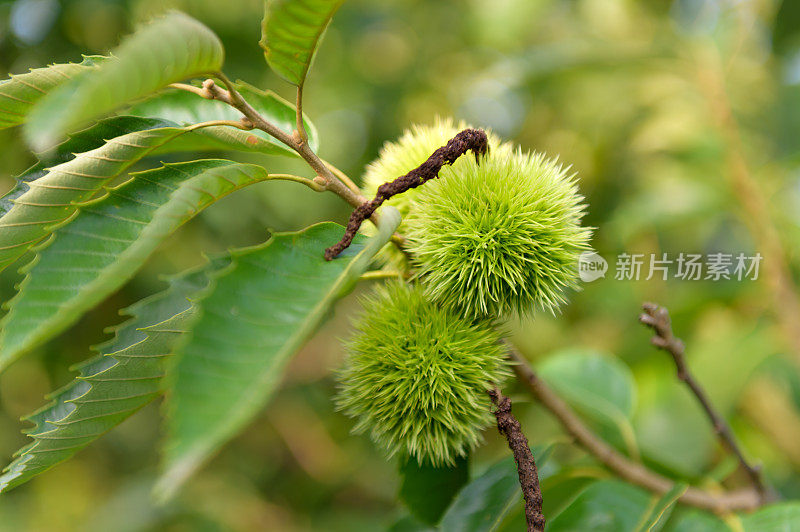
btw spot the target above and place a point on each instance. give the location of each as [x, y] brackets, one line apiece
[633, 472]
[509, 426]
[657, 318]
[474, 140]
[229, 95]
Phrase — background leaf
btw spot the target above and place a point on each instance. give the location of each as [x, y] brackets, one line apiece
[291, 32]
[186, 109]
[604, 506]
[601, 387]
[691, 520]
[172, 48]
[484, 502]
[781, 517]
[258, 313]
[106, 243]
[427, 491]
[113, 386]
[21, 92]
[660, 511]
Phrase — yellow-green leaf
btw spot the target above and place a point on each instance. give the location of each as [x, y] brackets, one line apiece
[291, 32]
[171, 49]
[21, 92]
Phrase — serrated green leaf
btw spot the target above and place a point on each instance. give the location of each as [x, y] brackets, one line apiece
[258, 313]
[290, 34]
[427, 491]
[185, 108]
[21, 92]
[106, 242]
[112, 386]
[82, 141]
[51, 199]
[171, 49]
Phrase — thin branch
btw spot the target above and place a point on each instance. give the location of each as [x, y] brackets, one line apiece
[474, 140]
[242, 124]
[657, 318]
[341, 175]
[380, 274]
[200, 91]
[232, 97]
[300, 126]
[509, 426]
[633, 472]
[310, 183]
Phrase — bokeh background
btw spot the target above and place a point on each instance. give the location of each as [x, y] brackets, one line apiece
[681, 119]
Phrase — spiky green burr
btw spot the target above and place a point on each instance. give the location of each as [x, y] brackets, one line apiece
[499, 237]
[416, 375]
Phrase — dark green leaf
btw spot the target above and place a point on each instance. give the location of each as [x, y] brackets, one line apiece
[605, 506]
[291, 32]
[427, 491]
[409, 524]
[259, 312]
[484, 502]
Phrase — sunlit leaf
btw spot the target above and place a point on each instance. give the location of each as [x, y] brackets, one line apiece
[259, 312]
[105, 244]
[171, 49]
[291, 32]
[21, 92]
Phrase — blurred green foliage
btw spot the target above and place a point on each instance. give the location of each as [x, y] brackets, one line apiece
[618, 89]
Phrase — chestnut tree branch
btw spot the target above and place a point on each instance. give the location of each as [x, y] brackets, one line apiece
[229, 95]
[302, 136]
[657, 318]
[633, 472]
[509, 426]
